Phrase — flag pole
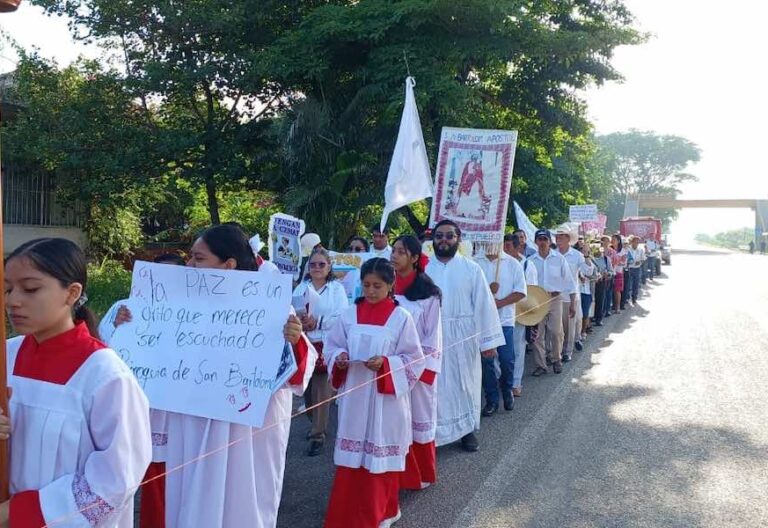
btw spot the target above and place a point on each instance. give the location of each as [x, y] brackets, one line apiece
[6, 6]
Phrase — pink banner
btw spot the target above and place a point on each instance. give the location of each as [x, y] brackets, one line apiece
[645, 228]
[595, 226]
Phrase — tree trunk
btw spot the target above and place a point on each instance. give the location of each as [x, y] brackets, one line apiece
[213, 201]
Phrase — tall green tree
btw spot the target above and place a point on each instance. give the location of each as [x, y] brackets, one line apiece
[303, 98]
[644, 162]
[195, 69]
[482, 63]
[80, 123]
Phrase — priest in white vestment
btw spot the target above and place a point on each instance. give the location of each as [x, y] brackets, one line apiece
[471, 329]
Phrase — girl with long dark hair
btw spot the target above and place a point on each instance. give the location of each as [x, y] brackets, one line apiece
[421, 297]
[81, 434]
[239, 485]
[374, 352]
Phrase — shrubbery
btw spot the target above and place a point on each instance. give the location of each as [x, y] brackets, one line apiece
[108, 282]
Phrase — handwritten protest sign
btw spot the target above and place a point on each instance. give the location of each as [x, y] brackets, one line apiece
[208, 342]
[285, 243]
[583, 213]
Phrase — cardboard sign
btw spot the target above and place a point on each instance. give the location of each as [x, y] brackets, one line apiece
[474, 174]
[285, 243]
[208, 342]
[346, 267]
[583, 213]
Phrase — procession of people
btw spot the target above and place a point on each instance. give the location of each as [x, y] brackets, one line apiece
[430, 346]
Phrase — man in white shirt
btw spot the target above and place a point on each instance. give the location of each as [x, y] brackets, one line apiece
[635, 268]
[554, 277]
[571, 298]
[380, 247]
[514, 248]
[507, 282]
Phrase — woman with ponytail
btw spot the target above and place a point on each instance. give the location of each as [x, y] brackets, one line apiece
[81, 435]
[373, 353]
[421, 297]
[240, 481]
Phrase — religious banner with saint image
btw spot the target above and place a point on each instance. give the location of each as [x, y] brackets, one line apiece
[474, 175]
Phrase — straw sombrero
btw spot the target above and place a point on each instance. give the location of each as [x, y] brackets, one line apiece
[534, 307]
[568, 229]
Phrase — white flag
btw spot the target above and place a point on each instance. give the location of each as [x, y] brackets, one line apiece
[409, 179]
[524, 223]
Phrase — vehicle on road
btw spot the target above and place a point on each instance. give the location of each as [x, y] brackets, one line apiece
[666, 255]
[666, 250]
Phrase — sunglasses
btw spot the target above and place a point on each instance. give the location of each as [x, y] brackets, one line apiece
[317, 265]
[356, 249]
[446, 236]
[542, 238]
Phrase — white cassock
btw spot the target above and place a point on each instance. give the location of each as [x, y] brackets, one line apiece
[374, 432]
[158, 420]
[470, 325]
[80, 443]
[426, 316]
[366, 416]
[239, 485]
[385, 253]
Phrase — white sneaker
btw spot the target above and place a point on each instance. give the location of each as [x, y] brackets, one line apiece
[425, 485]
[386, 523]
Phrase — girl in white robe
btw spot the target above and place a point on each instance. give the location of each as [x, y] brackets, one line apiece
[80, 440]
[375, 354]
[222, 474]
[416, 292]
[151, 511]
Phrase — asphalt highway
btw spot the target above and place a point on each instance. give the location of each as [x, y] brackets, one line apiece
[660, 422]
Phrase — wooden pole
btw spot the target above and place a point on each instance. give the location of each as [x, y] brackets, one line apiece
[5, 493]
[6, 6]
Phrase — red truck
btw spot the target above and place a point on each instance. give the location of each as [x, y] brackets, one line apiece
[645, 227]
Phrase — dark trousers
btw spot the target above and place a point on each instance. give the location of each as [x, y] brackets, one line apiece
[608, 300]
[634, 278]
[651, 267]
[626, 292]
[599, 300]
[506, 354]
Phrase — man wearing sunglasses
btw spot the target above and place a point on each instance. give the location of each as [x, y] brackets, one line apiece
[554, 276]
[471, 329]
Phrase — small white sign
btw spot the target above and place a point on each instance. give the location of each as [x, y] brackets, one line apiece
[583, 213]
[208, 342]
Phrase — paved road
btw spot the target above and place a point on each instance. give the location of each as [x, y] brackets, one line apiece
[661, 422]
